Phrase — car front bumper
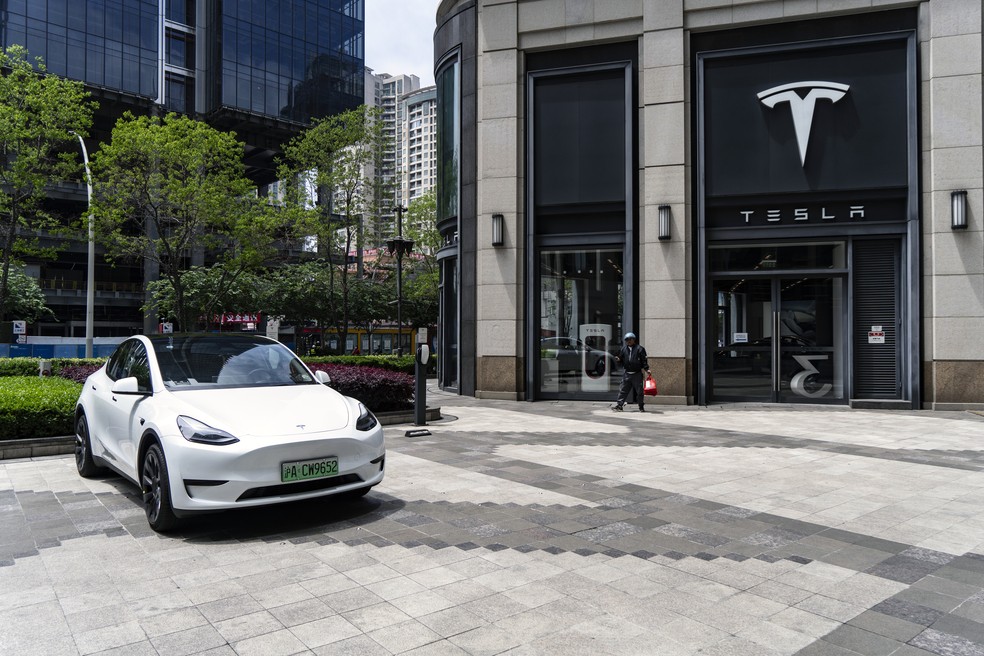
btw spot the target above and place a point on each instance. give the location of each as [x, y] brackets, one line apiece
[247, 473]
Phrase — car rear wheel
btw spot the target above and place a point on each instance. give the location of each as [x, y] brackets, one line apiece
[83, 449]
[156, 489]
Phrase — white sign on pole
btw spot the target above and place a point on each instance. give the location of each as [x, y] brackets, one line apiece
[22, 339]
[273, 328]
[20, 327]
[167, 327]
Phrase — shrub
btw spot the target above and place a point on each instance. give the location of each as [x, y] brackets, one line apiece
[29, 366]
[18, 366]
[37, 407]
[78, 372]
[401, 363]
[378, 389]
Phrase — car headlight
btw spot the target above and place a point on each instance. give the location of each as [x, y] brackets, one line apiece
[367, 420]
[195, 431]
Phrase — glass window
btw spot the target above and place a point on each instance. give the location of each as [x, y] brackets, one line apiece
[180, 49]
[448, 130]
[115, 366]
[765, 257]
[579, 124]
[581, 303]
[137, 366]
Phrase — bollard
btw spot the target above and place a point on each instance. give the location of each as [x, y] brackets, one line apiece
[44, 368]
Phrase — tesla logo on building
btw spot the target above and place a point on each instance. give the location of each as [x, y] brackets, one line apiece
[802, 106]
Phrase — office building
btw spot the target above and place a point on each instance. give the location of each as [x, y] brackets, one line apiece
[782, 198]
[262, 69]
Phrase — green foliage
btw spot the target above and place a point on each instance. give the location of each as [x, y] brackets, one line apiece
[37, 407]
[29, 366]
[25, 300]
[330, 195]
[302, 292]
[403, 364]
[38, 115]
[165, 187]
[211, 290]
[421, 225]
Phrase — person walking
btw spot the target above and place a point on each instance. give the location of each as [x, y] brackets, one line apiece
[634, 361]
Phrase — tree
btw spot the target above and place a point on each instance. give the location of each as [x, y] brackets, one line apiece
[370, 302]
[166, 188]
[329, 167]
[209, 291]
[420, 291]
[25, 300]
[38, 115]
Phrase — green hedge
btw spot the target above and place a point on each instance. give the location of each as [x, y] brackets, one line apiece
[37, 407]
[29, 366]
[403, 364]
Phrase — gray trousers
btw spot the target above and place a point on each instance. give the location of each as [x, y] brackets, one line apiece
[631, 382]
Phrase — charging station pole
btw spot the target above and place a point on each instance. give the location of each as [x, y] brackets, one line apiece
[420, 379]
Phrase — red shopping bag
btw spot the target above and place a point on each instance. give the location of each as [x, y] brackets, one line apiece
[649, 386]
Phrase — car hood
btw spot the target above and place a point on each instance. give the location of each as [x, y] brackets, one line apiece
[275, 410]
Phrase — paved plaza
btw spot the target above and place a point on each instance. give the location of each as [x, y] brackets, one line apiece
[537, 528]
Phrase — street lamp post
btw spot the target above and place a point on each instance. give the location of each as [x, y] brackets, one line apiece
[401, 247]
[90, 291]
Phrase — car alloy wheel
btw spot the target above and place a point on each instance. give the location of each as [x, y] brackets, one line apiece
[83, 449]
[155, 486]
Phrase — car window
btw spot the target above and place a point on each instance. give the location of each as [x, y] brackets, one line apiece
[188, 362]
[137, 365]
[115, 366]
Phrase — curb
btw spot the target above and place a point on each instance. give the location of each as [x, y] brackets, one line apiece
[60, 445]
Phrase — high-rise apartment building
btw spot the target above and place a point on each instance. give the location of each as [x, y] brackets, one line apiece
[386, 92]
[262, 69]
[419, 144]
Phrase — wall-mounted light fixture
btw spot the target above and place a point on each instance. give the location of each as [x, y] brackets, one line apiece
[664, 222]
[958, 210]
[498, 229]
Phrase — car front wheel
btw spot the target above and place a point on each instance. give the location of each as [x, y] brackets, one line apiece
[156, 489]
[83, 449]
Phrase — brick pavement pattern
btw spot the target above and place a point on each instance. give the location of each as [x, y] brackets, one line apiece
[547, 528]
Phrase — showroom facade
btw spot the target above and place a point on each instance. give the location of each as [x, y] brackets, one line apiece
[784, 201]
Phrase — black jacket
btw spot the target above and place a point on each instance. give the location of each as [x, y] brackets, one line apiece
[634, 360]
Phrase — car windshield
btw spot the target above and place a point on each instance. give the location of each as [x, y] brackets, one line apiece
[189, 361]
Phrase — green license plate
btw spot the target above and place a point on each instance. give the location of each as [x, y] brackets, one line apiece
[303, 470]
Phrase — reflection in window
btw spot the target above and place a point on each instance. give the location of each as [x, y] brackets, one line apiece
[448, 144]
[581, 303]
[90, 40]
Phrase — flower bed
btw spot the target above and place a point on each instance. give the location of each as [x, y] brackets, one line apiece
[380, 390]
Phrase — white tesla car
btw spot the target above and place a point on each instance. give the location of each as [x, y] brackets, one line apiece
[212, 422]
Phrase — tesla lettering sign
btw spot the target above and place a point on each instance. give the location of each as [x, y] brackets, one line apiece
[803, 106]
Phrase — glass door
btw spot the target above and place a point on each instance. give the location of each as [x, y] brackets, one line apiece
[810, 324]
[778, 339]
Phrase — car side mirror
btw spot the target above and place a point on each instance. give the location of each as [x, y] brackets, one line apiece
[322, 377]
[128, 386]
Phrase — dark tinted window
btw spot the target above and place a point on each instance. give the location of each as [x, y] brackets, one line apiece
[115, 366]
[579, 123]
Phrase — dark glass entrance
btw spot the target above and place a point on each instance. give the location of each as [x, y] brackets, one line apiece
[778, 339]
